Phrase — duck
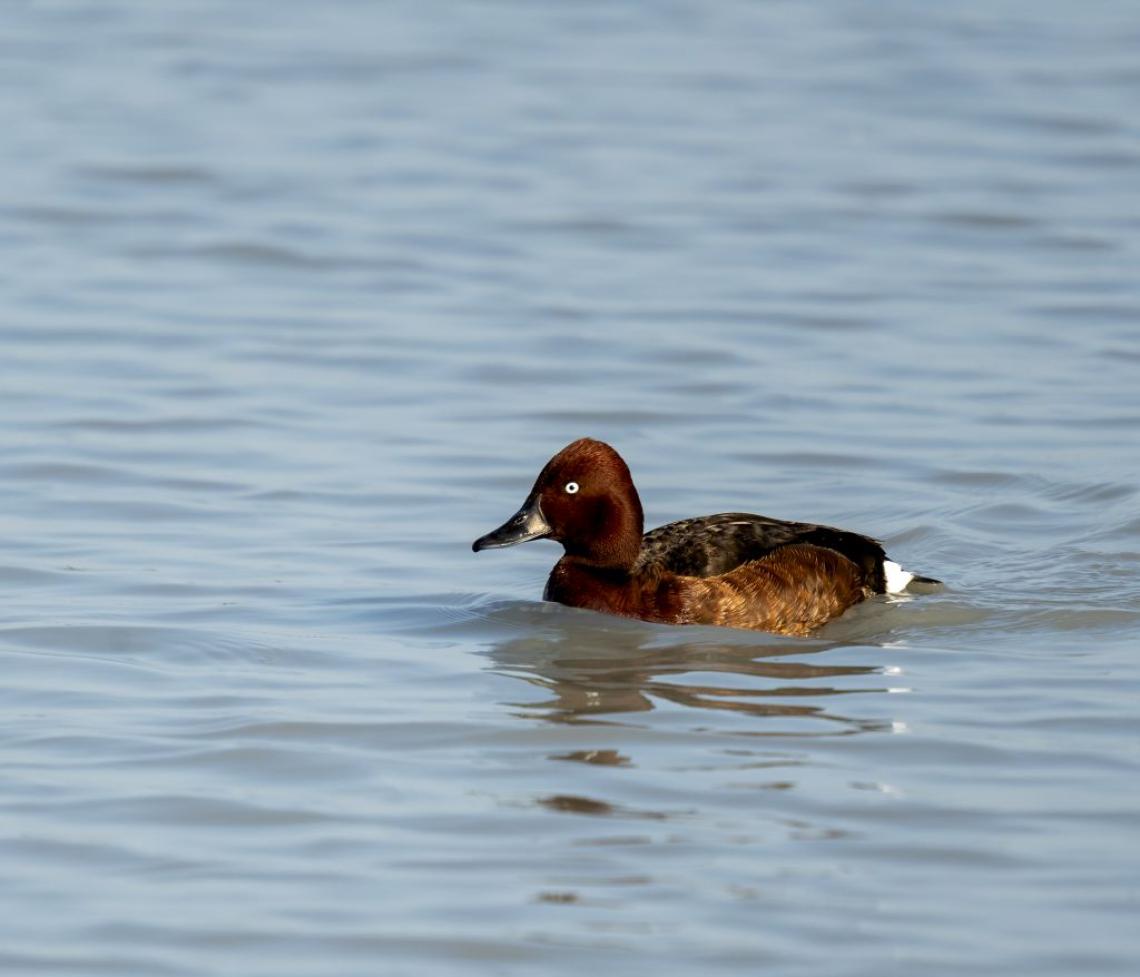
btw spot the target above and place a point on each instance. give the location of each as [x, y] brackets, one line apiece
[732, 569]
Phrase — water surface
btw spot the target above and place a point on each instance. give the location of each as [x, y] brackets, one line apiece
[297, 300]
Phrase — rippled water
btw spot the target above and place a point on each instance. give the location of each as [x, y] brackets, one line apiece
[299, 297]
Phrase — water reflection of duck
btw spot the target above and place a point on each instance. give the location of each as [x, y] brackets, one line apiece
[734, 569]
[592, 672]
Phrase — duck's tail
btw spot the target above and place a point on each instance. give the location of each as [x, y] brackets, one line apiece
[898, 579]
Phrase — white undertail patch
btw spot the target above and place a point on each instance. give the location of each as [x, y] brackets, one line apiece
[896, 577]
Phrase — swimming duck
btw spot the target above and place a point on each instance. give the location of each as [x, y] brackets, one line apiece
[734, 569]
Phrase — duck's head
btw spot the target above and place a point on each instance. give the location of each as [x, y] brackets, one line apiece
[584, 498]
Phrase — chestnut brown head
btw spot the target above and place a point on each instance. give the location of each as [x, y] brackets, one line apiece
[585, 499]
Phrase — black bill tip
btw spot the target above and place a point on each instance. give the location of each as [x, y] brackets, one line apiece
[526, 524]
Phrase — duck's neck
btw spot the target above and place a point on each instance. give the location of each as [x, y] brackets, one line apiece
[582, 584]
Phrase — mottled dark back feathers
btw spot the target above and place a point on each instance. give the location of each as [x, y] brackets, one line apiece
[711, 545]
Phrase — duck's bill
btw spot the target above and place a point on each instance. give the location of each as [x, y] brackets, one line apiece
[526, 524]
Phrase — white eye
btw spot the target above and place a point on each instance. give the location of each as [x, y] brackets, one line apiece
[571, 488]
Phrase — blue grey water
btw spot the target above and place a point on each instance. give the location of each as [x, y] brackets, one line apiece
[296, 299]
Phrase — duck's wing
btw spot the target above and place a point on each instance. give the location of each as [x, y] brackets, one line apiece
[712, 545]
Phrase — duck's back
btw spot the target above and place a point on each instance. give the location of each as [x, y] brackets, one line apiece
[710, 546]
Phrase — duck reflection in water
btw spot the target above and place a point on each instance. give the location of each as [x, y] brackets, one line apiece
[593, 671]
